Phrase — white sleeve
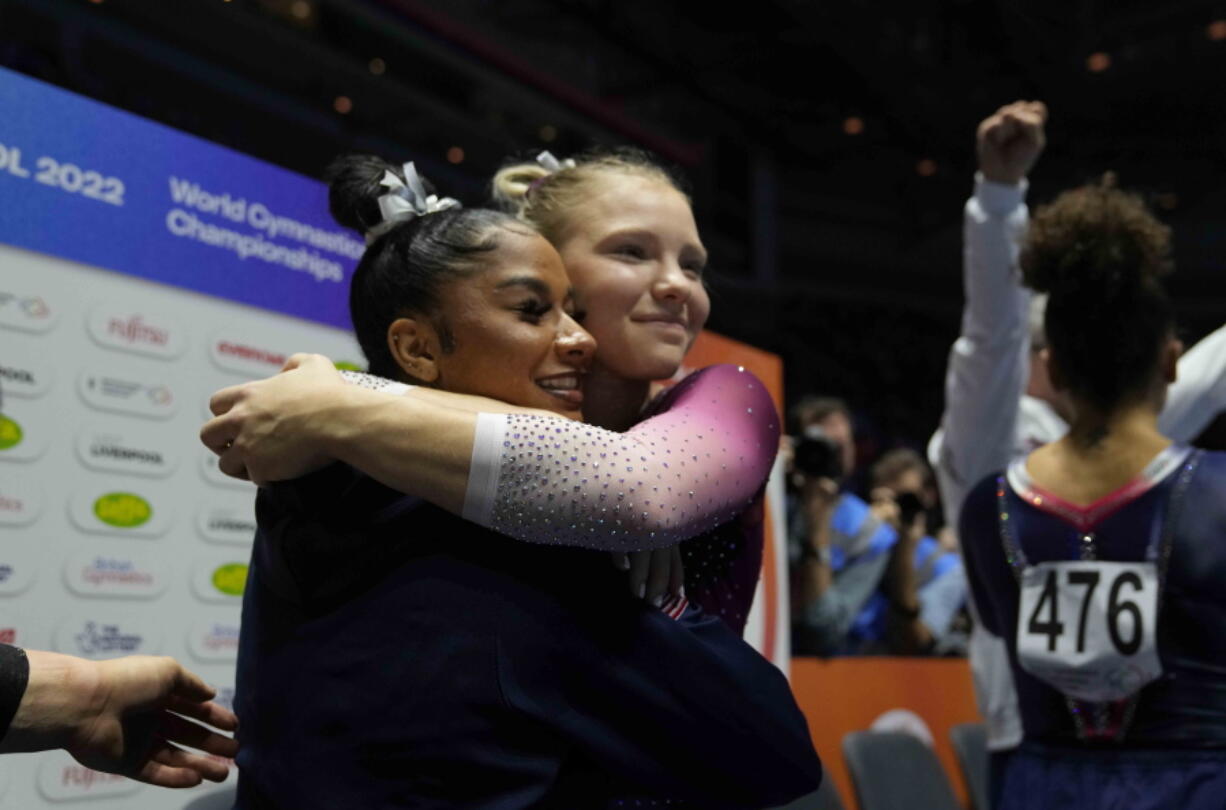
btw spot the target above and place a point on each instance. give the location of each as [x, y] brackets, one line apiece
[989, 363]
[1198, 394]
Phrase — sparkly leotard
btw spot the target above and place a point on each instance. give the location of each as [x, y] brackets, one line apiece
[697, 461]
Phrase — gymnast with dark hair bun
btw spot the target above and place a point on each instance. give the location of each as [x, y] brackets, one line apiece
[394, 654]
[1099, 558]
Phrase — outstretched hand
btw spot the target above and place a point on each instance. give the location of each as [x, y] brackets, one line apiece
[270, 430]
[128, 716]
[145, 707]
[1010, 140]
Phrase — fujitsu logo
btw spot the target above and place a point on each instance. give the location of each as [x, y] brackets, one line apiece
[135, 330]
[8, 635]
[82, 777]
[11, 504]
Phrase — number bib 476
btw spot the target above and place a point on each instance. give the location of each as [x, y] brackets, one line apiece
[1088, 628]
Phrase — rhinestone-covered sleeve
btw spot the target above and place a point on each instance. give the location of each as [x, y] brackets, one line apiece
[375, 383]
[689, 468]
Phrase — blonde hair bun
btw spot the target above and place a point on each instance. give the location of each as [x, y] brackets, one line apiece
[511, 184]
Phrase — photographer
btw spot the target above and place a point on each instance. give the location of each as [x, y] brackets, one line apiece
[838, 549]
[924, 589]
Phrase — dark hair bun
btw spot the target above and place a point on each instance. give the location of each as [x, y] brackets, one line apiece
[1097, 239]
[354, 189]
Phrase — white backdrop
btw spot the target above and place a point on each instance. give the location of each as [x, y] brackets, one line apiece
[118, 534]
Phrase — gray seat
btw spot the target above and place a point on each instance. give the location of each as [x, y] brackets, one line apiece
[894, 771]
[825, 797]
[970, 741]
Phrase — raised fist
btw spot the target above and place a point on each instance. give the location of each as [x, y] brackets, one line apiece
[1010, 140]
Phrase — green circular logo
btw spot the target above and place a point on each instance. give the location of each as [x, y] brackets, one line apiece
[345, 365]
[122, 510]
[10, 433]
[231, 578]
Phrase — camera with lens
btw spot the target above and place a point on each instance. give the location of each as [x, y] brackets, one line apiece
[816, 454]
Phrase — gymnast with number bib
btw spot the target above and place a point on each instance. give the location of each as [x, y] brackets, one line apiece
[1101, 557]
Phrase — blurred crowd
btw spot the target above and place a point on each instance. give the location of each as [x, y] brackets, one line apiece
[874, 567]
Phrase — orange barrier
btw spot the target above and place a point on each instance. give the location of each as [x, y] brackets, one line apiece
[841, 695]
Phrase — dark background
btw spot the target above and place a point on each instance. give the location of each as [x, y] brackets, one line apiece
[830, 145]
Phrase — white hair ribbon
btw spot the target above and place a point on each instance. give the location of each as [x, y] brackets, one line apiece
[405, 200]
[547, 160]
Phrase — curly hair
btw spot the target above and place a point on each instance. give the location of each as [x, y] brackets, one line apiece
[1099, 254]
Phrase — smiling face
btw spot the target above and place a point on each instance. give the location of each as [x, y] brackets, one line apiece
[632, 251]
[504, 331]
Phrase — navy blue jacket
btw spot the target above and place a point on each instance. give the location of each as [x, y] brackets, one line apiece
[393, 655]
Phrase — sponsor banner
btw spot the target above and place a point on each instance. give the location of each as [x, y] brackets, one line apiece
[105, 635]
[127, 394]
[26, 310]
[130, 576]
[117, 327]
[213, 474]
[120, 511]
[178, 210]
[220, 580]
[23, 434]
[18, 569]
[21, 500]
[247, 357]
[27, 378]
[134, 452]
[62, 779]
[230, 525]
[214, 641]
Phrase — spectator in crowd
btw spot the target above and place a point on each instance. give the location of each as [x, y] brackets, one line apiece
[923, 592]
[838, 547]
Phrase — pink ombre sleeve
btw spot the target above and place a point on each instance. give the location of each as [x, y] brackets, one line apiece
[694, 465]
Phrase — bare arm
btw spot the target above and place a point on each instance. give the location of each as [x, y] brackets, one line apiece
[123, 716]
[539, 478]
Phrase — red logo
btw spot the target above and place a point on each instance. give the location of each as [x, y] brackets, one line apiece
[80, 776]
[135, 330]
[8, 635]
[251, 353]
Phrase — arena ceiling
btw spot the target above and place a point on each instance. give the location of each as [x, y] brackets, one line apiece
[830, 145]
